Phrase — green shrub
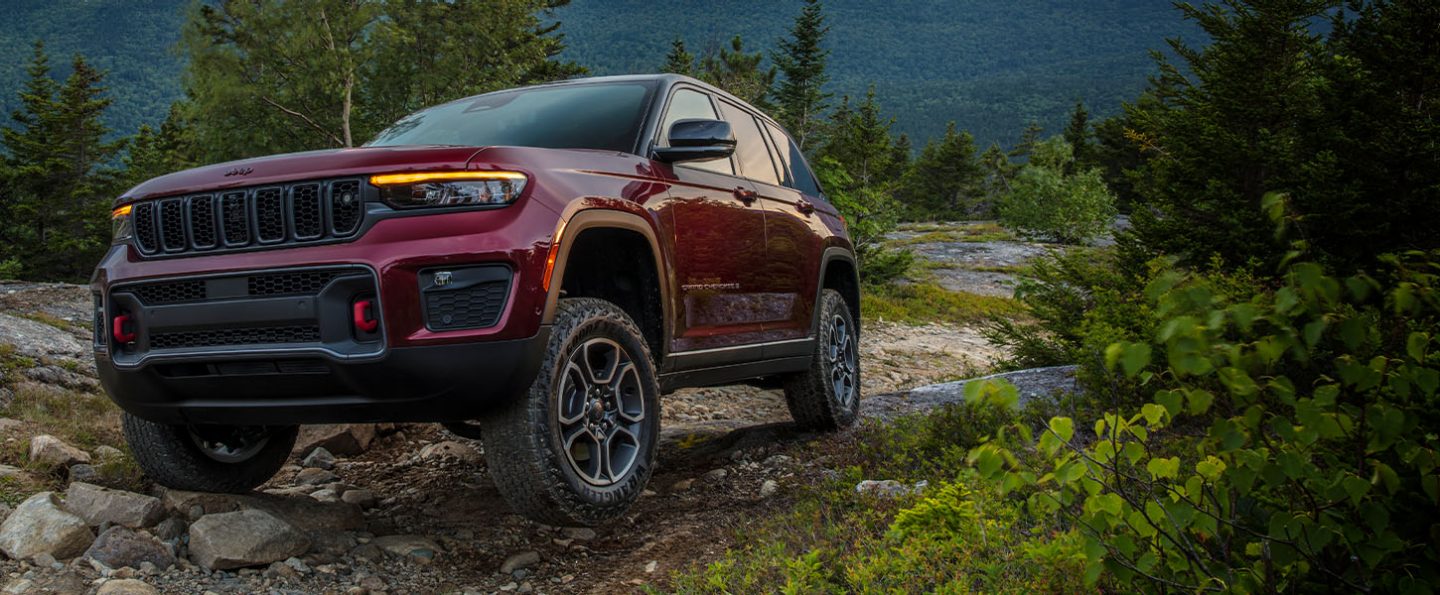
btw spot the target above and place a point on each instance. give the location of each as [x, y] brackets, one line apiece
[1287, 438]
[10, 268]
[922, 303]
[1048, 201]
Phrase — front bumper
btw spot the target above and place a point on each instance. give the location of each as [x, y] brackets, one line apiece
[239, 355]
[407, 384]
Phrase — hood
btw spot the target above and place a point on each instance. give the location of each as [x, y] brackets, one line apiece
[308, 165]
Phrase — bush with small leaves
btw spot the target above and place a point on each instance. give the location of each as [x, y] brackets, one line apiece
[1287, 440]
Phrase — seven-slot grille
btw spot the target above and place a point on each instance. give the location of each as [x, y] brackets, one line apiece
[303, 212]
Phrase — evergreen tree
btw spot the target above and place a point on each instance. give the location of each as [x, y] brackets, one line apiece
[997, 170]
[153, 152]
[739, 72]
[900, 156]
[1028, 139]
[801, 98]
[859, 140]
[679, 61]
[57, 187]
[1077, 133]
[1228, 128]
[946, 181]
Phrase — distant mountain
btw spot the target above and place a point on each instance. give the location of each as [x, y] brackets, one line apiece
[990, 66]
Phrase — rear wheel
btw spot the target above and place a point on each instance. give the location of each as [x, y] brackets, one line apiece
[208, 458]
[827, 396]
[579, 447]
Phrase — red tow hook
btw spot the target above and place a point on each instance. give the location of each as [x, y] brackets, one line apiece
[363, 319]
[118, 329]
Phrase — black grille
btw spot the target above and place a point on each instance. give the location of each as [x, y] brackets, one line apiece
[303, 212]
[269, 215]
[345, 206]
[237, 336]
[478, 306]
[202, 222]
[172, 225]
[173, 292]
[308, 211]
[302, 282]
[145, 237]
[236, 222]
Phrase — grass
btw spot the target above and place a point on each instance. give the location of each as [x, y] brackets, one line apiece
[82, 420]
[934, 233]
[55, 321]
[957, 535]
[920, 303]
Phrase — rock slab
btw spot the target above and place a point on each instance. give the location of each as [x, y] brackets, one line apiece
[244, 538]
[40, 526]
[119, 547]
[98, 505]
[50, 451]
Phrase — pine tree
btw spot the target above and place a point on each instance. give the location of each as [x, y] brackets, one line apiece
[900, 157]
[154, 152]
[679, 61]
[58, 188]
[1077, 133]
[859, 140]
[739, 72]
[997, 171]
[1228, 128]
[1028, 139]
[801, 98]
[946, 181]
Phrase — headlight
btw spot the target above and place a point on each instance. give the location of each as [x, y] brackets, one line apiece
[122, 225]
[450, 188]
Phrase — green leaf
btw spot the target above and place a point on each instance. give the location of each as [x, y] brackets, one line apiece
[1163, 468]
[1171, 400]
[1153, 413]
[1063, 427]
[1355, 487]
[1199, 400]
[1415, 346]
[1135, 357]
[1210, 468]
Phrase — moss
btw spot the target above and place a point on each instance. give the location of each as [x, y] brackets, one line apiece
[920, 303]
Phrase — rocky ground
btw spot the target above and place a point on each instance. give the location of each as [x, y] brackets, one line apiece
[409, 508]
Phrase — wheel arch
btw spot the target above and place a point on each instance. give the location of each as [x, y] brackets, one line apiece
[838, 271]
[622, 234]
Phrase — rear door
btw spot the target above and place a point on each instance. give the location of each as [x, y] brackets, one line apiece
[791, 263]
[795, 232]
[718, 232]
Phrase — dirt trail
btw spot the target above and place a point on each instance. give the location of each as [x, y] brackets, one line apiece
[719, 446]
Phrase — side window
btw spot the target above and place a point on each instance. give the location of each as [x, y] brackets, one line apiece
[687, 104]
[796, 174]
[750, 149]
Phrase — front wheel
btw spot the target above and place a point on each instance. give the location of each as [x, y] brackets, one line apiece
[579, 446]
[231, 459]
[827, 396]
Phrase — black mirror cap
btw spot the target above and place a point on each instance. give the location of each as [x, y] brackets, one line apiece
[697, 140]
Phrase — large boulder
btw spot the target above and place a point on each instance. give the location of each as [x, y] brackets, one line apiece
[244, 538]
[98, 505]
[340, 439]
[50, 451]
[126, 586]
[119, 547]
[40, 526]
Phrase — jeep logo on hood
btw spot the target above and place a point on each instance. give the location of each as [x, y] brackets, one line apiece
[238, 171]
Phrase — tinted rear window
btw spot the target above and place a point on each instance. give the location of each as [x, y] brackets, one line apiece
[605, 116]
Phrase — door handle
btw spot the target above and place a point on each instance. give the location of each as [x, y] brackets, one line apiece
[805, 206]
[745, 195]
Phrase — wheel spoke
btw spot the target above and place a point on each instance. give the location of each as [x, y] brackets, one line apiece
[573, 390]
[621, 446]
[602, 358]
[629, 401]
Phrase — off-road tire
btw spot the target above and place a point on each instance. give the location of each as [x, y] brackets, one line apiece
[524, 448]
[168, 455]
[811, 395]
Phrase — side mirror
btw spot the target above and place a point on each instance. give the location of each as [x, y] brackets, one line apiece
[697, 140]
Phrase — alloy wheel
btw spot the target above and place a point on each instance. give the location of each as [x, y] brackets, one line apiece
[229, 444]
[601, 407]
[840, 350]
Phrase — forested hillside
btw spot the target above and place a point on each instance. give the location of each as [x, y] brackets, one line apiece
[990, 66]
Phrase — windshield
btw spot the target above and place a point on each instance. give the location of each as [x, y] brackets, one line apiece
[605, 116]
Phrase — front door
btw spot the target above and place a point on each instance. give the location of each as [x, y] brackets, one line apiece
[718, 231]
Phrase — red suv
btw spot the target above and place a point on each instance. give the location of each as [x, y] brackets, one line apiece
[535, 265]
